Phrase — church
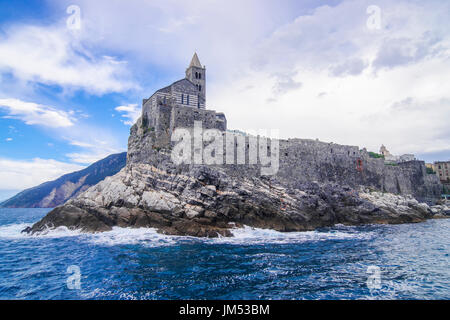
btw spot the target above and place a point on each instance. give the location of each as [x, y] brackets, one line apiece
[180, 104]
[187, 92]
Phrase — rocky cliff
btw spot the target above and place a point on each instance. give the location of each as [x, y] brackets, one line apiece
[54, 193]
[312, 189]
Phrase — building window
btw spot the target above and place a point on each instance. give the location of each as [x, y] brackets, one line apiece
[182, 98]
[198, 101]
[199, 87]
[187, 100]
[196, 75]
[199, 75]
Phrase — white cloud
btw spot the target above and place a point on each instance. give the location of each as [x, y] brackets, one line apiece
[9, 139]
[132, 112]
[88, 158]
[36, 114]
[350, 76]
[56, 56]
[321, 73]
[92, 150]
[22, 174]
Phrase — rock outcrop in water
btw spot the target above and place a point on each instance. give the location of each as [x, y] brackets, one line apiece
[206, 201]
[317, 185]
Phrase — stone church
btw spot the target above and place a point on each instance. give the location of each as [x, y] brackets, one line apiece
[187, 92]
[180, 104]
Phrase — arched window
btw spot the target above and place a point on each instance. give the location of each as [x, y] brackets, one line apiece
[199, 87]
[187, 100]
[199, 75]
[196, 75]
[182, 98]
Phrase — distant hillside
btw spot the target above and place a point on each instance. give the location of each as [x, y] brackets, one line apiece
[54, 193]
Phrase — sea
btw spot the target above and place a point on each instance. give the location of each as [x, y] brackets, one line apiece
[408, 261]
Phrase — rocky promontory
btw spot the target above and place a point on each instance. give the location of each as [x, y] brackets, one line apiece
[205, 201]
[317, 185]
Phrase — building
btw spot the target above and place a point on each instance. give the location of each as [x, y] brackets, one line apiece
[390, 158]
[179, 105]
[442, 169]
[187, 92]
[384, 151]
[407, 157]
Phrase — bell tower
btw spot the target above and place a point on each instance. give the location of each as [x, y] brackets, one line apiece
[196, 73]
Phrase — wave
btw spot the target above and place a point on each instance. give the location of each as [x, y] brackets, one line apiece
[116, 236]
[150, 237]
[254, 235]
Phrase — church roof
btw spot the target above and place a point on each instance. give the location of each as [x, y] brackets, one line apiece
[168, 88]
[195, 62]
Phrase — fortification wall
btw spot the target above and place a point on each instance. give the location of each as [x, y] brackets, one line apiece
[307, 160]
[300, 160]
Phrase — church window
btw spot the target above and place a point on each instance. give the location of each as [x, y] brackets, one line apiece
[196, 75]
[187, 100]
[199, 87]
[199, 75]
[182, 98]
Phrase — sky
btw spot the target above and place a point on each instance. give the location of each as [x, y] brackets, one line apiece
[73, 74]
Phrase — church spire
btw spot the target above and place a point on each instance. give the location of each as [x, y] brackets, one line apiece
[197, 75]
[195, 62]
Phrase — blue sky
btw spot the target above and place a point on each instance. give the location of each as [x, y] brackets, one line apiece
[333, 70]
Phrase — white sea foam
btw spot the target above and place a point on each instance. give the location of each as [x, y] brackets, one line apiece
[114, 237]
[249, 235]
[150, 237]
[14, 231]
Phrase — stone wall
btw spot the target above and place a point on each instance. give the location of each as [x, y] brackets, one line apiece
[162, 115]
[302, 160]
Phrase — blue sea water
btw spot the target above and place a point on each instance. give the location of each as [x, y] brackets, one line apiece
[331, 263]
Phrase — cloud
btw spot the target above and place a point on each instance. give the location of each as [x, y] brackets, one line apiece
[22, 174]
[132, 112]
[54, 55]
[93, 150]
[402, 51]
[88, 158]
[333, 74]
[355, 81]
[286, 83]
[8, 139]
[350, 67]
[36, 114]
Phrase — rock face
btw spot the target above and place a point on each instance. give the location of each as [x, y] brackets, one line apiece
[317, 185]
[54, 193]
[205, 202]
